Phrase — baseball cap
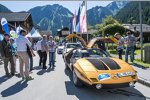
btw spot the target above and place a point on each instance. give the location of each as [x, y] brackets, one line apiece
[6, 34]
[116, 34]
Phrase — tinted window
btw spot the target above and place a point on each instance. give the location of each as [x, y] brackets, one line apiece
[76, 54]
[74, 46]
[97, 52]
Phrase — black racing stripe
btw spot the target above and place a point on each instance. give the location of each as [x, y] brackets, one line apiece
[98, 64]
[110, 63]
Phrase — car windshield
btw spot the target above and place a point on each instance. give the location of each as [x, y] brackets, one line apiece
[97, 52]
[73, 46]
[85, 53]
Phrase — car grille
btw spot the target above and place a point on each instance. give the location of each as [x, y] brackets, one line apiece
[94, 79]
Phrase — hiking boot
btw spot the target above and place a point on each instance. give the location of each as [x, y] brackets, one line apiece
[29, 78]
[23, 78]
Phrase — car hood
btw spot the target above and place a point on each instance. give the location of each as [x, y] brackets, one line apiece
[103, 64]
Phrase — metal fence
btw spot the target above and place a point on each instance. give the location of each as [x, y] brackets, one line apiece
[147, 54]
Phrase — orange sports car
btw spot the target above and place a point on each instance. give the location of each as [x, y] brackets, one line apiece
[96, 67]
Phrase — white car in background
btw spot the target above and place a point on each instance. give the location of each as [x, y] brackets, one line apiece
[60, 49]
[70, 46]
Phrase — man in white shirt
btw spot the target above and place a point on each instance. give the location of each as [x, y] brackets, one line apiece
[39, 48]
[130, 41]
[22, 43]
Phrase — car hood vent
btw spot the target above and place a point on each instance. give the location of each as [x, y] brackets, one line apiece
[110, 63]
[98, 64]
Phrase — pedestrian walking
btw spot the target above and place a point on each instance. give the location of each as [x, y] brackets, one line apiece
[13, 50]
[130, 41]
[7, 55]
[22, 43]
[120, 44]
[39, 48]
[44, 51]
[52, 50]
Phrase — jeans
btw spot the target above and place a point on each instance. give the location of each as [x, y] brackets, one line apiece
[12, 67]
[31, 62]
[120, 51]
[52, 58]
[39, 53]
[131, 50]
[44, 58]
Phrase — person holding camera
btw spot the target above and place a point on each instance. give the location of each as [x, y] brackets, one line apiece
[120, 44]
[7, 55]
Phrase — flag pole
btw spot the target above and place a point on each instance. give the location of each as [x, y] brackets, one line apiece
[87, 36]
[141, 34]
[79, 21]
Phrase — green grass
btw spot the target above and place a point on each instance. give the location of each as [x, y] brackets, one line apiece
[147, 44]
[139, 62]
[137, 52]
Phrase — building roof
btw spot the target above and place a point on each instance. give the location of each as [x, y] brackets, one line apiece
[15, 16]
[136, 27]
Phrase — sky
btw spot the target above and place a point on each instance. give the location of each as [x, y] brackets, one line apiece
[73, 6]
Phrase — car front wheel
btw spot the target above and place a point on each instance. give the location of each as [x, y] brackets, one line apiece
[77, 82]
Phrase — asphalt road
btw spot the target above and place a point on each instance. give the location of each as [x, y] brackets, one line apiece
[56, 84]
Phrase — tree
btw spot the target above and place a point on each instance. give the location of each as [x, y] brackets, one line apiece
[109, 20]
[90, 27]
[148, 21]
[131, 21]
[111, 29]
[109, 26]
[100, 29]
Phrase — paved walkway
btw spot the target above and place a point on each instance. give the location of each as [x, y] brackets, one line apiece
[56, 84]
[143, 73]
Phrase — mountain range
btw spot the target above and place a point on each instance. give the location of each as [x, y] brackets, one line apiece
[53, 17]
[4, 9]
[130, 13]
[96, 14]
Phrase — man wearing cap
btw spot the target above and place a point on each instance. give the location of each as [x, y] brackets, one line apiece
[120, 44]
[22, 43]
[7, 55]
[52, 49]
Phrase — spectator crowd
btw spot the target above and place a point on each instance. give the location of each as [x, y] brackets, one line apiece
[21, 48]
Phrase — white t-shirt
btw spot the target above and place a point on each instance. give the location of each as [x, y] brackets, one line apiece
[121, 43]
[22, 43]
[38, 45]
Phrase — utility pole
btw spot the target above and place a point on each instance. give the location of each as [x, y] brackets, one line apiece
[141, 34]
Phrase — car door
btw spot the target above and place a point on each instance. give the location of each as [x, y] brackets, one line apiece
[75, 56]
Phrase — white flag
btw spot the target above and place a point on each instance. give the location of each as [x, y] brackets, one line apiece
[83, 20]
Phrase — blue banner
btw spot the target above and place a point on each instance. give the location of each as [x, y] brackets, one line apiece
[78, 21]
[4, 24]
